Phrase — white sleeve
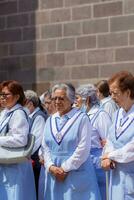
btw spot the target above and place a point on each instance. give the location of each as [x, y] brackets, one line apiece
[45, 153]
[108, 147]
[37, 130]
[47, 157]
[102, 124]
[124, 154]
[18, 131]
[82, 151]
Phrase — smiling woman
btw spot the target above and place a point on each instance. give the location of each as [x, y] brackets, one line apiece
[62, 102]
[69, 172]
[16, 180]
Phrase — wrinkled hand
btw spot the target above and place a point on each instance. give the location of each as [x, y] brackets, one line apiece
[106, 164]
[58, 172]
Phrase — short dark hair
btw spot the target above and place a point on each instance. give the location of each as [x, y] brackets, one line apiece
[125, 81]
[15, 88]
[103, 87]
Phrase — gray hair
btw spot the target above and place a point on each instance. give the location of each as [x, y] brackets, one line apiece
[47, 93]
[70, 91]
[32, 96]
[88, 90]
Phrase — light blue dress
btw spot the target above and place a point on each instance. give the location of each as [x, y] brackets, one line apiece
[41, 183]
[101, 122]
[121, 134]
[16, 180]
[80, 184]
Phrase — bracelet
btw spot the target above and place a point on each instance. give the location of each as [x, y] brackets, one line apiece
[112, 165]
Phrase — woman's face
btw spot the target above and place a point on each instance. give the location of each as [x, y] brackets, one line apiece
[49, 105]
[78, 101]
[62, 103]
[7, 99]
[121, 98]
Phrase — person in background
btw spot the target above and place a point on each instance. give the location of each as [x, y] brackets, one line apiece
[79, 101]
[99, 131]
[37, 123]
[16, 180]
[119, 150]
[86, 99]
[47, 102]
[106, 101]
[66, 146]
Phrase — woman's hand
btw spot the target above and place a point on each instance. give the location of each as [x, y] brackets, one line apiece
[58, 172]
[41, 161]
[106, 163]
[103, 142]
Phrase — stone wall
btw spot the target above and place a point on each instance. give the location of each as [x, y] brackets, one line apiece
[49, 41]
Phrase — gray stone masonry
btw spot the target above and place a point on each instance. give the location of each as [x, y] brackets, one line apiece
[43, 42]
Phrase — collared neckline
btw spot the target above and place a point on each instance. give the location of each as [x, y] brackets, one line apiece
[36, 110]
[13, 108]
[106, 99]
[124, 113]
[93, 110]
[67, 115]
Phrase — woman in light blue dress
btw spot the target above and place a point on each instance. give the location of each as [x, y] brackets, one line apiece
[119, 151]
[69, 173]
[97, 116]
[37, 116]
[16, 180]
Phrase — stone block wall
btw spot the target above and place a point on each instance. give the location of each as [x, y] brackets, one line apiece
[47, 41]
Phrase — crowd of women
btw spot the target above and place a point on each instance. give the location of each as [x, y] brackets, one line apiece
[84, 141]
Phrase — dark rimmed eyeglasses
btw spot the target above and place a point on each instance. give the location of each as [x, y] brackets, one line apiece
[5, 95]
[58, 98]
[115, 93]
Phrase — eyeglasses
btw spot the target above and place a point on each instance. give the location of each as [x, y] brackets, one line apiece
[58, 98]
[5, 95]
[115, 93]
[47, 102]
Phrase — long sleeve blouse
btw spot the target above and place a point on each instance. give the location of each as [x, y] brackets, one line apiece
[18, 127]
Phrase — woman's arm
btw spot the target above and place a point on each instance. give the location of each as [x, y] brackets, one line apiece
[81, 153]
[44, 151]
[121, 155]
[18, 131]
[124, 154]
[37, 130]
[102, 124]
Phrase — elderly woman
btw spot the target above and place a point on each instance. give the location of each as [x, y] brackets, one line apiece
[119, 151]
[86, 99]
[66, 146]
[47, 102]
[16, 180]
[99, 132]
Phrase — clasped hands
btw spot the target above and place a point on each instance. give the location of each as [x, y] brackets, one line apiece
[58, 172]
[107, 163]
